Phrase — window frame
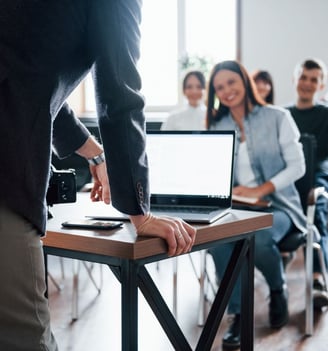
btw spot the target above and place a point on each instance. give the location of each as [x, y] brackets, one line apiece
[160, 110]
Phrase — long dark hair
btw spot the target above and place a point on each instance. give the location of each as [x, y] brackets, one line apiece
[252, 95]
[266, 77]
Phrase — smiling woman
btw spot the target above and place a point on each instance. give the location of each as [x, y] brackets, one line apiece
[265, 168]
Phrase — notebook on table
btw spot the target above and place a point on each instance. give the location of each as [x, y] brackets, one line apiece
[190, 173]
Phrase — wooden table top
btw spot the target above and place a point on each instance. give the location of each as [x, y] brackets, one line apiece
[124, 243]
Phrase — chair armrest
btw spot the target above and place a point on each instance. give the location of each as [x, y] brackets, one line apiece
[315, 193]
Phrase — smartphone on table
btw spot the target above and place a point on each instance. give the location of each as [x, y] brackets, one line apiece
[92, 224]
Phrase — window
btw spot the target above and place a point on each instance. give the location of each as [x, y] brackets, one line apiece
[172, 30]
[159, 52]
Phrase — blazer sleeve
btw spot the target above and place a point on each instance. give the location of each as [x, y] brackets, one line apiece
[114, 39]
[69, 134]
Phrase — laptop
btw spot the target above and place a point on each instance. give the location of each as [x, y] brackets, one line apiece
[190, 174]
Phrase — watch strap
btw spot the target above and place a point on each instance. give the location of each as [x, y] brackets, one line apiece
[97, 160]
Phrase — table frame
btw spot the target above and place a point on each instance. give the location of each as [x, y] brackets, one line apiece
[133, 275]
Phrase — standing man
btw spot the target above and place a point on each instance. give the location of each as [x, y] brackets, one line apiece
[312, 117]
[46, 49]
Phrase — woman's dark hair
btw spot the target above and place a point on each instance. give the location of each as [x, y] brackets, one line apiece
[198, 74]
[252, 95]
[266, 77]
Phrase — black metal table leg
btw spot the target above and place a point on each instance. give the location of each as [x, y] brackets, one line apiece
[129, 306]
[237, 260]
[161, 311]
[247, 300]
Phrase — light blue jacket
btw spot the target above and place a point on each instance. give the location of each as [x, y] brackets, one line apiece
[275, 155]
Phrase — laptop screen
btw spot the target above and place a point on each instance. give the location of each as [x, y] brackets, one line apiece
[191, 167]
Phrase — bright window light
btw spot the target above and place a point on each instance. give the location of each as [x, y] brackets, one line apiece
[158, 62]
[211, 29]
[170, 31]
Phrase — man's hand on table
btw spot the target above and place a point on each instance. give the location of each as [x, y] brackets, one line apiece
[179, 235]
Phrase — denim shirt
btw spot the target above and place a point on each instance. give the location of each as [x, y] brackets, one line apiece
[275, 155]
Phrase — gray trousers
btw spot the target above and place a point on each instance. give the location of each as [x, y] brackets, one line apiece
[24, 310]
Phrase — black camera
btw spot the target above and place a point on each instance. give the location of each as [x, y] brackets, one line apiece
[62, 186]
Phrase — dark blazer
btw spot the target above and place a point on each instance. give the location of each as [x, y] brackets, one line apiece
[46, 49]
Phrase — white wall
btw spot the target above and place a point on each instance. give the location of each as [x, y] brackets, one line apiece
[276, 34]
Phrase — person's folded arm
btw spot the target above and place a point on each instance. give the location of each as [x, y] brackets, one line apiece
[293, 156]
[292, 153]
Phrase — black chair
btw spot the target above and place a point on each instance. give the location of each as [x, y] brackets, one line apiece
[295, 239]
[305, 187]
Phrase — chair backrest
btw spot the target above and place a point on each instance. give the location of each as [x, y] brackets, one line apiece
[307, 182]
[293, 240]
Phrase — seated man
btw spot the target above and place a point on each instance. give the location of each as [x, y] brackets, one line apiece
[312, 117]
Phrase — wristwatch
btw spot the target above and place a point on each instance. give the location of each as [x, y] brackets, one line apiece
[97, 160]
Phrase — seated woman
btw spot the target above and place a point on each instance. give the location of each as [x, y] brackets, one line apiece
[269, 159]
[264, 84]
[192, 116]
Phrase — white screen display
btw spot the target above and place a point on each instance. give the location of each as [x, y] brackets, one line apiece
[190, 164]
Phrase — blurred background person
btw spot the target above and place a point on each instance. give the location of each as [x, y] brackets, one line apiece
[191, 116]
[264, 85]
[311, 117]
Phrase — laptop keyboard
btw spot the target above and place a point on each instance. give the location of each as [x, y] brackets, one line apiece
[183, 209]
